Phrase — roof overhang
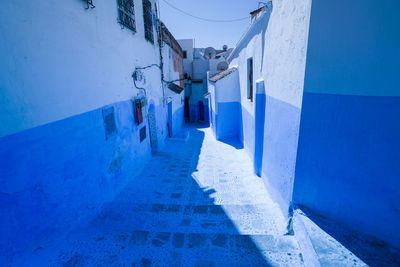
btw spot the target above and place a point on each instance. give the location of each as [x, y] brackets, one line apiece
[175, 88]
[222, 74]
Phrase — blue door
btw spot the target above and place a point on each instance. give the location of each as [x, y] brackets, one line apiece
[201, 111]
[259, 127]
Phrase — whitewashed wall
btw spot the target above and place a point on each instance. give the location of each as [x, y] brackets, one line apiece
[177, 99]
[59, 60]
[277, 42]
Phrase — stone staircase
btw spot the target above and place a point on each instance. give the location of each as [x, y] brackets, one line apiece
[196, 204]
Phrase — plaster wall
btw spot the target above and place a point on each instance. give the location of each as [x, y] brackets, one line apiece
[347, 164]
[277, 42]
[57, 175]
[212, 106]
[187, 45]
[213, 64]
[170, 74]
[59, 60]
[226, 107]
[200, 68]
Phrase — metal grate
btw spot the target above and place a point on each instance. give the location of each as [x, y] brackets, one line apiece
[126, 14]
[109, 122]
[148, 21]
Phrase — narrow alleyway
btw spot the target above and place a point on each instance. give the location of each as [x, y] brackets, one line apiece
[197, 203]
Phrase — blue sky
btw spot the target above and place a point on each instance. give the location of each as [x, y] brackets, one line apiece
[208, 33]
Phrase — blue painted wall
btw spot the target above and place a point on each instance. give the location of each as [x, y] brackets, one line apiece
[55, 175]
[195, 115]
[348, 162]
[280, 149]
[227, 120]
[348, 156]
[277, 42]
[226, 108]
[178, 121]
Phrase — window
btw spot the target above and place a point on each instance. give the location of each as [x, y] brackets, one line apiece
[142, 133]
[148, 21]
[250, 79]
[109, 122]
[184, 54]
[137, 111]
[126, 14]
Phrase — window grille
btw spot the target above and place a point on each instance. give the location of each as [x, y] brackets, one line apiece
[148, 21]
[126, 14]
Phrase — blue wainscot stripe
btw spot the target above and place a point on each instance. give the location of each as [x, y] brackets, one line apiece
[228, 120]
[178, 122]
[281, 135]
[54, 175]
[348, 162]
[279, 146]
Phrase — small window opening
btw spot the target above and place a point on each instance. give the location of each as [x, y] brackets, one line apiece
[126, 14]
[250, 79]
[148, 21]
[142, 133]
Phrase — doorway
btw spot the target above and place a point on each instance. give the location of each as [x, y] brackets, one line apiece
[201, 110]
[187, 111]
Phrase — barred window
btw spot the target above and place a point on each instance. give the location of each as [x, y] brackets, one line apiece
[148, 21]
[126, 14]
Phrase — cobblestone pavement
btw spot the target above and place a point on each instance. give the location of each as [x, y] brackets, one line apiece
[197, 203]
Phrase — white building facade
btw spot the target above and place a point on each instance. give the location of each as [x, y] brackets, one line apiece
[196, 65]
[259, 100]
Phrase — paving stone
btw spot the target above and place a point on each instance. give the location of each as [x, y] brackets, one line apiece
[197, 240]
[200, 209]
[139, 237]
[176, 195]
[195, 204]
[178, 240]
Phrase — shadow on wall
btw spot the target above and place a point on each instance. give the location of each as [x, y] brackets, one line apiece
[162, 217]
[233, 141]
[373, 252]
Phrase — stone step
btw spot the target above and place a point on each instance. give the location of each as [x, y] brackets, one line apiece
[246, 219]
[183, 249]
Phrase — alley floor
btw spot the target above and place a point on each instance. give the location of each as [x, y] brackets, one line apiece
[197, 203]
